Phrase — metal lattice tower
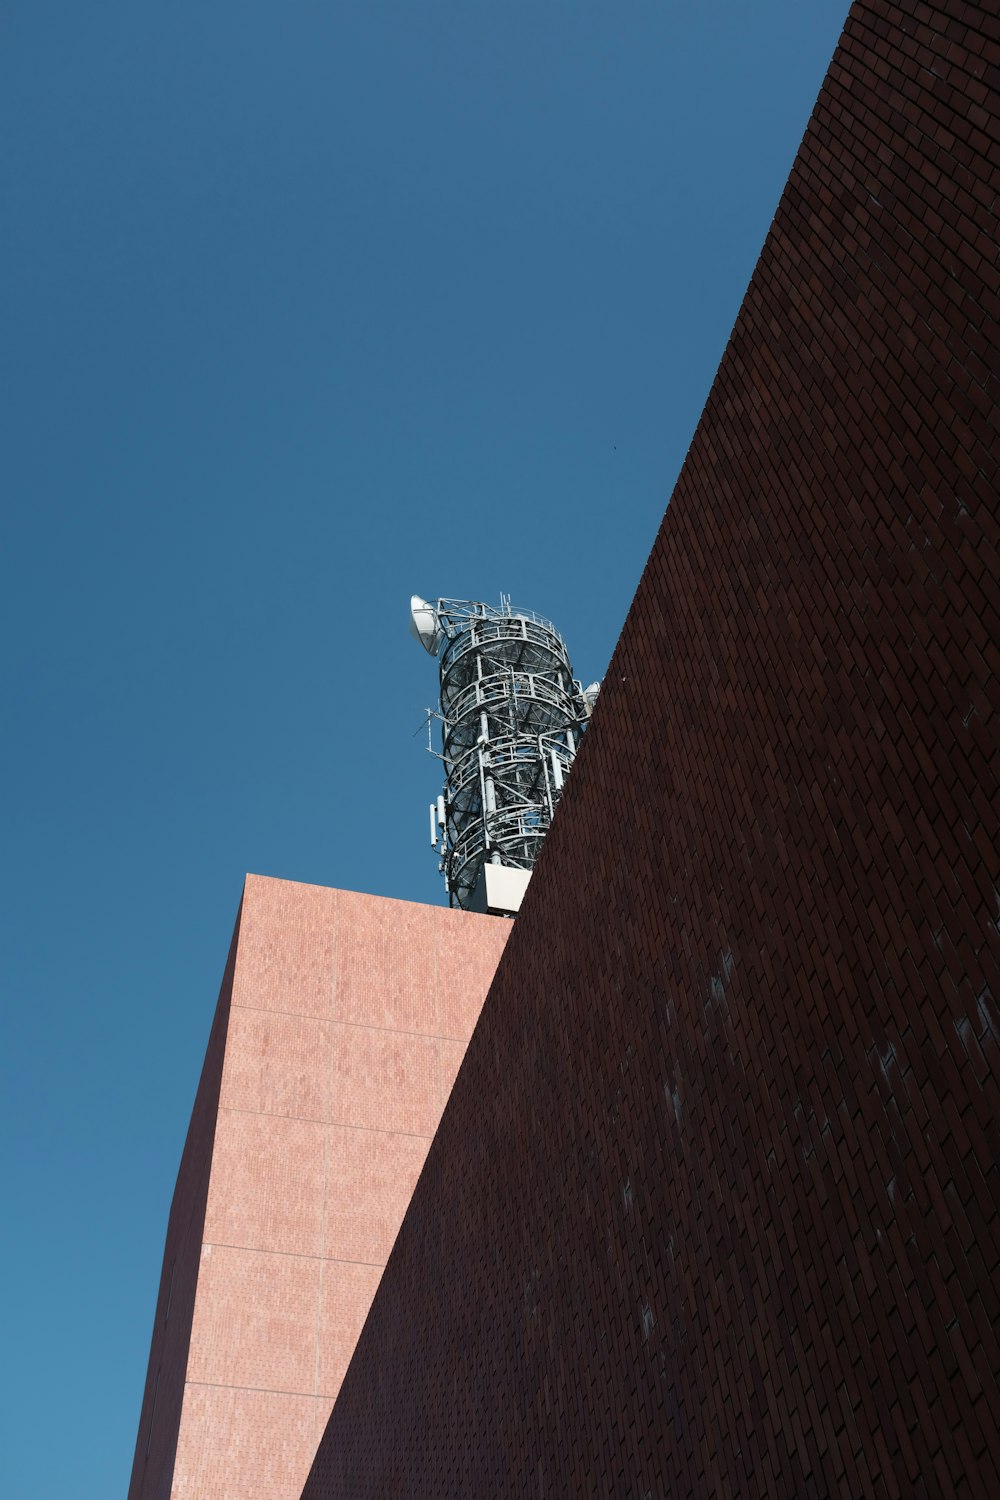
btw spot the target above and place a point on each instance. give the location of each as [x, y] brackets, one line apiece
[511, 714]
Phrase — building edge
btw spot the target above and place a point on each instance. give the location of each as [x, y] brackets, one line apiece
[160, 1414]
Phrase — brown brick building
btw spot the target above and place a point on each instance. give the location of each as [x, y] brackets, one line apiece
[713, 1209]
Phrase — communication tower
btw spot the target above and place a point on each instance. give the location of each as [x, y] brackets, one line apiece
[511, 715]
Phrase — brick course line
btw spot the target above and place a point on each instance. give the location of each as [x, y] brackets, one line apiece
[301, 1015]
[412, 1135]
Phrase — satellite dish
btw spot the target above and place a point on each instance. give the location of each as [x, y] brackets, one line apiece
[425, 625]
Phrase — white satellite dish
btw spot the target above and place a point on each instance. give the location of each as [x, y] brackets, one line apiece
[425, 625]
[590, 696]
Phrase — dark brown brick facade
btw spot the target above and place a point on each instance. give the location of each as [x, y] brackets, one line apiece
[714, 1207]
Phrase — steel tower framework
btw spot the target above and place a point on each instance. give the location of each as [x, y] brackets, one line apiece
[511, 713]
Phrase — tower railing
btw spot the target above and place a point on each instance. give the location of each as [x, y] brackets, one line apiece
[511, 715]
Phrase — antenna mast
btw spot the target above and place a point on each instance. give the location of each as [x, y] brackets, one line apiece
[511, 716]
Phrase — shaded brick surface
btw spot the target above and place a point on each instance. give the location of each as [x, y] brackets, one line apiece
[713, 1206]
[159, 1418]
[331, 1057]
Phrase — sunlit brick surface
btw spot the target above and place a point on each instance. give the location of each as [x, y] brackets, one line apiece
[714, 1208]
[334, 1050]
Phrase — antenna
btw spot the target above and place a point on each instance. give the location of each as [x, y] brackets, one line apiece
[511, 717]
[424, 624]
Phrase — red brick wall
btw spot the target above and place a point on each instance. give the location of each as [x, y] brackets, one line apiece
[342, 1024]
[713, 1209]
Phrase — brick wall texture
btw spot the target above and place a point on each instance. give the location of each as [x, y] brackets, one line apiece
[341, 1025]
[713, 1208]
[159, 1418]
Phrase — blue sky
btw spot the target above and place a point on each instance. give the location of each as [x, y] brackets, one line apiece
[306, 307]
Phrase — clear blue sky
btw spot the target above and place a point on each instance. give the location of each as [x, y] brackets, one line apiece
[307, 306]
